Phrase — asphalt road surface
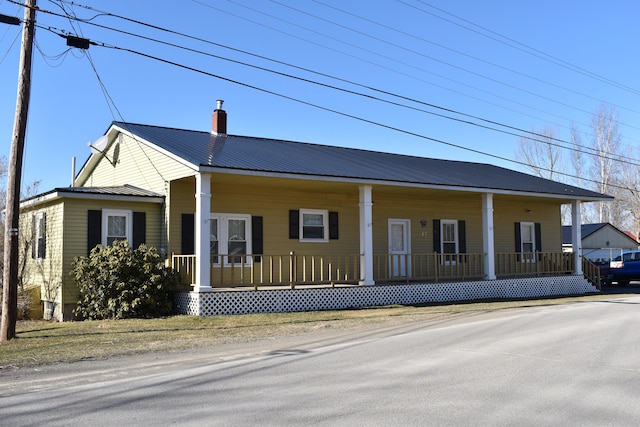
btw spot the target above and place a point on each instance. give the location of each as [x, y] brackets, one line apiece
[574, 364]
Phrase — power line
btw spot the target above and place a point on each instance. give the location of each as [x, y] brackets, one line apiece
[522, 47]
[375, 53]
[103, 13]
[589, 150]
[334, 111]
[422, 39]
[532, 133]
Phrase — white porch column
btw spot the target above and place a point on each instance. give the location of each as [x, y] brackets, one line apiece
[576, 235]
[488, 246]
[366, 236]
[203, 233]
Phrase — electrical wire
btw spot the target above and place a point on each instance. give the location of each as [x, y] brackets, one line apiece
[475, 58]
[324, 108]
[522, 47]
[389, 59]
[571, 146]
[334, 111]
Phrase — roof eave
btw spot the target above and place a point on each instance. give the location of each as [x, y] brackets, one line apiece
[368, 181]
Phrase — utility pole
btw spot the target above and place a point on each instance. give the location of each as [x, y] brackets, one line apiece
[11, 241]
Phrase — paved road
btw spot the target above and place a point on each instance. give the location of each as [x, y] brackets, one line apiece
[576, 364]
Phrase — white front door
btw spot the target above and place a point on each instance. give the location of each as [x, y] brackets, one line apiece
[399, 244]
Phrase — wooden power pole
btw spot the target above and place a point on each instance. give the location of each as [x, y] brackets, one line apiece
[11, 241]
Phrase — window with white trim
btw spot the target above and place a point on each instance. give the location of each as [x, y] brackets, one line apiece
[116, 225]
[39, 236]
[449, 233]
[449, 239]
[314, 225]
[230, 238]
[527, 241]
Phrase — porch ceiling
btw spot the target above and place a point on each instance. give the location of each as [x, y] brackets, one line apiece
[337, 187]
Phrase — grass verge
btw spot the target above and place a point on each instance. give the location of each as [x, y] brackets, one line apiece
[42, 342]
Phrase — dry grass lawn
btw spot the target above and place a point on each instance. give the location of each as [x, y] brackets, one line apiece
[41, 342]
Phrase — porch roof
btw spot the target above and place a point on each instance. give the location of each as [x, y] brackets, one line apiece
[263, 155]
[123, 192]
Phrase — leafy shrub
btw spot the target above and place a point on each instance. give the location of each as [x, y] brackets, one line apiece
[118, 282]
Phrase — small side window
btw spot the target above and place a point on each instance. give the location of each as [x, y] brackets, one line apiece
[314, 225]
[116, 225]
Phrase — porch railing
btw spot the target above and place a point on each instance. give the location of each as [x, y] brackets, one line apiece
[229, 270]
[429, 267]
[273, 270]
[592, 272]
[533, 263]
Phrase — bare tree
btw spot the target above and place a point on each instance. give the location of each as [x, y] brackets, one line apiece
[541, 154]
[605, 167]
[544, 158]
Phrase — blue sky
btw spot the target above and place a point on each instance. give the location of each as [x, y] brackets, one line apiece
[523, 64]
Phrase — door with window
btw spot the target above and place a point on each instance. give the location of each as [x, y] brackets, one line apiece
[399, 244]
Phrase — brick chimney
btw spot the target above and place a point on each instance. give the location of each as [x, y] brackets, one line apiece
[219, 120]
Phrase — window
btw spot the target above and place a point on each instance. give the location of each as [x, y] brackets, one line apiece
[527, 241]
[230, 235]
[314, 225]
[39, 236]
[449, 235]
[449, 239]
[116, 225]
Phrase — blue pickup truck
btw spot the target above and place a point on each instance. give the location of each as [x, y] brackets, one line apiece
[622, 269]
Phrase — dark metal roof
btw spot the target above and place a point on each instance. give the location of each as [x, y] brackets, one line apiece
[204, 149]
[588, 229]
[118, 191]
[585, 230]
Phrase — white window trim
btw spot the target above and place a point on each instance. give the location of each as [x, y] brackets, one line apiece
[106, 213]
[444, 222]
[223, 236]
[528, 258]
[325, 224]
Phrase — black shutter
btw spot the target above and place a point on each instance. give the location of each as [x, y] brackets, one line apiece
[94, 229]
[257, 238]
[188, 234]
[139, 228]
[538, 231]
[294, 224]
[462, 237]
[333, 225]
[437, 247]
[518, 237]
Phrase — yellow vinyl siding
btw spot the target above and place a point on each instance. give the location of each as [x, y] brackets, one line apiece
[45, 274]
[424, 210]
[508, 211]
[137, 165]
[75, 242]
[180, 200]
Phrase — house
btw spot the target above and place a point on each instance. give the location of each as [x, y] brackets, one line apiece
[256, 224]
[600, 241]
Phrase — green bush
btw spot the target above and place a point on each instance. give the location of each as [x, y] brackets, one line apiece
[118, 282]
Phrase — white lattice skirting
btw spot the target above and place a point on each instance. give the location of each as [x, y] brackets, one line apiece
[309, 299]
